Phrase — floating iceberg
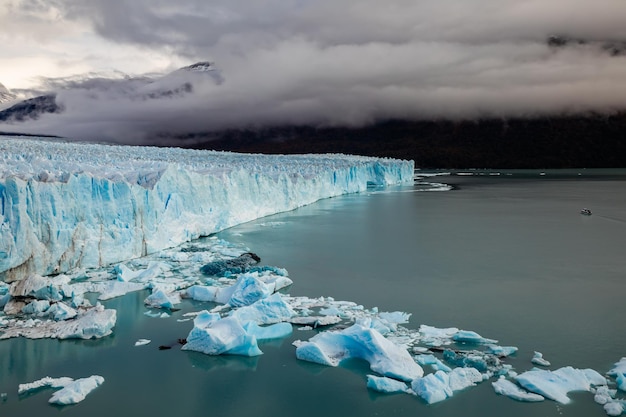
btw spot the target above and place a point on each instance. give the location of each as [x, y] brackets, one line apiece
[270, 310]
[214, 335]
[386, 385]
[501, 351]
[441, 385]
[69, 205]
[433, 388]
[76, 391]
[247, 289]
[538, 359]
[619, 372]
[363, 342]
[71, 392]
[468, 336]
[509, 389]
[556, 384]
[43, 383]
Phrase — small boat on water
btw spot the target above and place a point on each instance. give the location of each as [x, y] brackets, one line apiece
[585, 212]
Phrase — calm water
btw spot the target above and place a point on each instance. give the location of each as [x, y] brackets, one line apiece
[507, 256]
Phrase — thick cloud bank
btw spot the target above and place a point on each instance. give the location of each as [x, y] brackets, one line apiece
[351, 63]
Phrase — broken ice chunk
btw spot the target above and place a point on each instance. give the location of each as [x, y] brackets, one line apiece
[76, 391]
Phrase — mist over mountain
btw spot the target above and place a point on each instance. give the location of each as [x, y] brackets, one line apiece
[320, 68]
[6, 95]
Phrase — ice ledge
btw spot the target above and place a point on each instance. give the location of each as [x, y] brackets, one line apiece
[67, 205]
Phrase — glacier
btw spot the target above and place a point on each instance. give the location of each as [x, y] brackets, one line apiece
[66, 205]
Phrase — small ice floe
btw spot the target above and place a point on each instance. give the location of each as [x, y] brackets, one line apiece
[509, 389]
[615, 408]
[270, 310]
[501, 351]
[386, 385]
[539, 360]
[433, 336]
[214, 335]
[442, 385]
[430, 359]
[363, 342]
[161, 299]
[76, 391]
[468, 336]
[142, 342]
[44, 383]
[248, 288]
[619, 373]
[556, 384]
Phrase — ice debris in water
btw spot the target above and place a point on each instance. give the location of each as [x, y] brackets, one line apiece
[556, 384]
[76, 391]
[247, 289]
[214, 335]
[539, 360]
[442, 385]
[509, 389]
[94, 322]
[228, 267]
[142, 342]
[71, 392]
[386, 385]
[361, 341]
[619, 373]
[43, 383]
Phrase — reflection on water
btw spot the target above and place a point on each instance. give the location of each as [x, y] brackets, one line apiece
[225, 362]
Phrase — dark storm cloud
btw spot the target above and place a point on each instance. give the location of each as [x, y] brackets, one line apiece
[347, 63]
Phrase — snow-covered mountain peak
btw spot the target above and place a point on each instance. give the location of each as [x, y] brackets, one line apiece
[5, 94]
[203, 66]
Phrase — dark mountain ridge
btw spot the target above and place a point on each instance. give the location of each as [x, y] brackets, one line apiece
[580, 141]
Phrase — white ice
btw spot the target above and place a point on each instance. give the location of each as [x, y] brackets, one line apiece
[501, 351]
[468, 336]
[386, 385]
[538, 359]
[432, 360]
[76, 391]
[441, 385]
[270, 310]
[509, 389]
[556, 384]
[619, 373]
[69, 205]
[44, 382]
[363, 342]
[433, 388]
[247, 289]
[214, 335]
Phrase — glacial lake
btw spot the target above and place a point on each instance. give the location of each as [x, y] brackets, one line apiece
[504, 253]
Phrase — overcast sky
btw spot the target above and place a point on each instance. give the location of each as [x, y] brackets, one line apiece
[321, 62]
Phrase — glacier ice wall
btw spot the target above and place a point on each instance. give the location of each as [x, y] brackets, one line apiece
[67, 205]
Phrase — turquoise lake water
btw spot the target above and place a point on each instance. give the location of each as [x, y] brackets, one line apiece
[508, 256]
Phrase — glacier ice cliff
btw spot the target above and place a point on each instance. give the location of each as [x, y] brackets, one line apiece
[68, 205]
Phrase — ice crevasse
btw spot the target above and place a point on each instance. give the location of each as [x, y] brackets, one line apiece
[67, 205]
